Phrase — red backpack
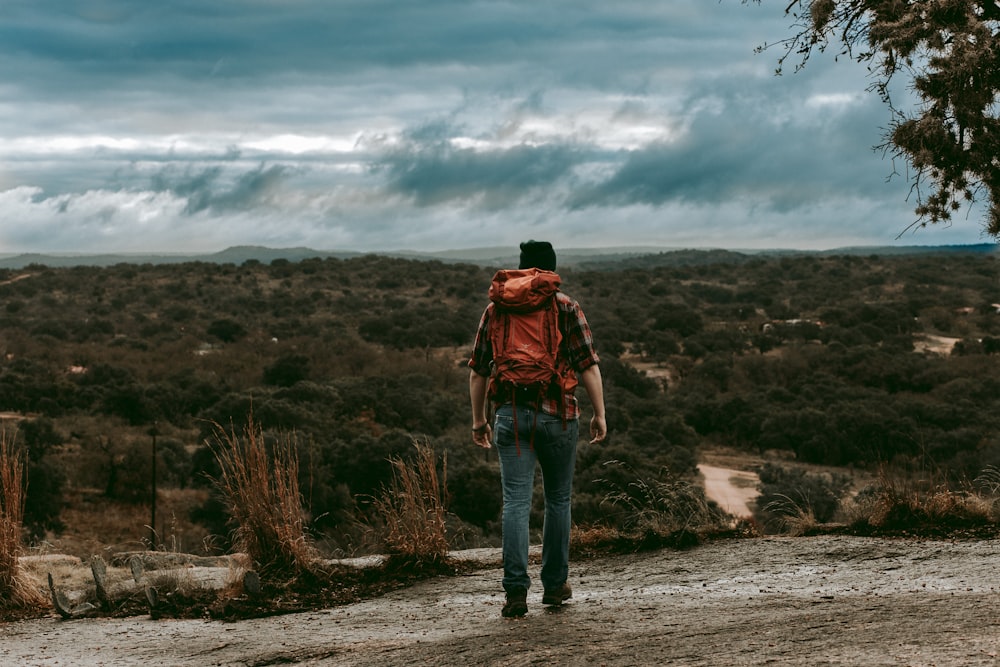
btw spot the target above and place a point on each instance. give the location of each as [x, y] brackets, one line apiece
[524, 331]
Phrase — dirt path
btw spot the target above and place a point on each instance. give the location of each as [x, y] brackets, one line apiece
[732, 490]
[941, 345]
[784, 601]
[16, 278]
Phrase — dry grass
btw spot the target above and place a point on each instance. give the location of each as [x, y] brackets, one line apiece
[794, 519]
[17, 591]
[988, 482]
[414, 507]
[895, 503]
[96, 524]
[69, 573]
[667, 510]
[262, 492]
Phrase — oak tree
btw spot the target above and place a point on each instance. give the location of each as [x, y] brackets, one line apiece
[949, 53]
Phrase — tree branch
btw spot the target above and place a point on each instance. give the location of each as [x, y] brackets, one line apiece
[991, 10]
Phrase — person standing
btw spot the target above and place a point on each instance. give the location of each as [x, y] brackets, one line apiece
[545, 420]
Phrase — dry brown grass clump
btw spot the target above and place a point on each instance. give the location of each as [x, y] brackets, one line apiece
[414, 507]
[898, 504]
[16, 589]
[262, 492]
[793, 518]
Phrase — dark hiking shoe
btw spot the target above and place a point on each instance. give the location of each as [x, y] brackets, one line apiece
[557, 595]
[516, 604]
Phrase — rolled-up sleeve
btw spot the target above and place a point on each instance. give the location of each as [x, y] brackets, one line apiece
[481, 360]
[578, 340]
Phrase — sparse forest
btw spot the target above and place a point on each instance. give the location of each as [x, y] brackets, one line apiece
[853, 361]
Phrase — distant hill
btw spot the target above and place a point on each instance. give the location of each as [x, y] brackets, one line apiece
[984, 248]
[590, 258]
[233, 255]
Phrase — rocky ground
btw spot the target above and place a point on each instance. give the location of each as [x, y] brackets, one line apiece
[827, 600]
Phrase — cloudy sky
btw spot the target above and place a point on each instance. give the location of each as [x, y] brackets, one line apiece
[186, 125]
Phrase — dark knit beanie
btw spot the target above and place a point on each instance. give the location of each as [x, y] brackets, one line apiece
[538, 255]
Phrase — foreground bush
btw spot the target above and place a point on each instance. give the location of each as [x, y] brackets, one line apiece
[262, 492]
[413, 507]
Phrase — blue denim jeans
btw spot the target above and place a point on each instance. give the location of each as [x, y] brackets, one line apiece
[554, 449]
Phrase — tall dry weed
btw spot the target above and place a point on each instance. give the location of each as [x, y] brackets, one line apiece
[794, 518]
[16, 590]
[262, 491]
[414, 507]
[988, 482]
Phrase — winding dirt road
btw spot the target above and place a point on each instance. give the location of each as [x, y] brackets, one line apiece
[732, 490]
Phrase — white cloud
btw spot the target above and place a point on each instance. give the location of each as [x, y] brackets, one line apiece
[834, 100]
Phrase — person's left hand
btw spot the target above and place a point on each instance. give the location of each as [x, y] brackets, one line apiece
[598, 429]
[483, 435]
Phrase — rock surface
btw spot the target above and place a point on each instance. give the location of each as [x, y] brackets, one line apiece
[828, 600]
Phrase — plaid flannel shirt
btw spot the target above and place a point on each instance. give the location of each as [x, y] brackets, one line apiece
[576, 349]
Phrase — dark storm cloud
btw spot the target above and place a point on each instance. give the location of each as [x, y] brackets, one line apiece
[100, 46]
[430, 170]
[259, 38]
[497, 178]
[756, 143]
[209, 189]
[739, 141]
